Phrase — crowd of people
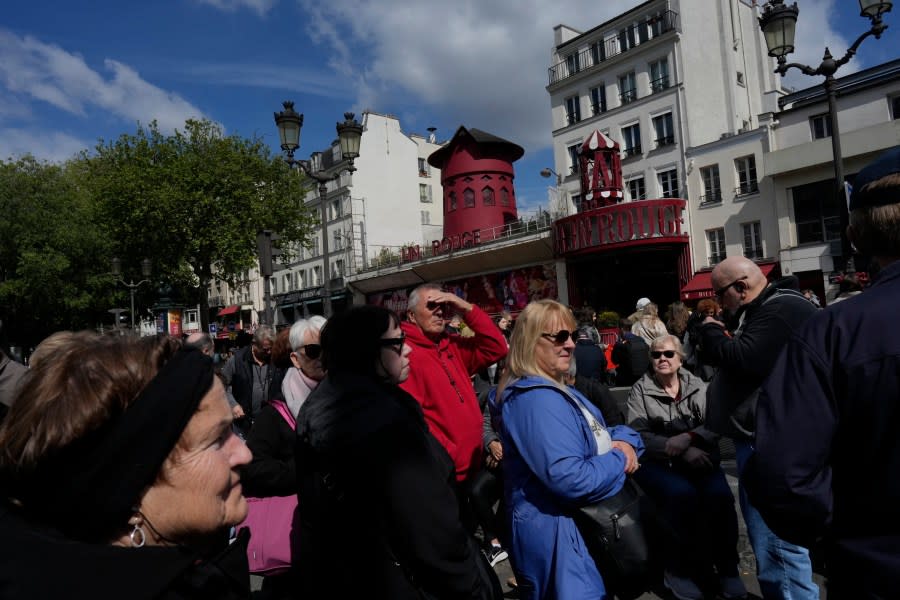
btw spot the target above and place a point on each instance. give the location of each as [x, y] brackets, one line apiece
[415, 452]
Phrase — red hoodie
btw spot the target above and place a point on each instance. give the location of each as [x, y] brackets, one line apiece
[440, 380]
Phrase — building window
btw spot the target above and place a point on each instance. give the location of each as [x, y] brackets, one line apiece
[426, 217]
[626, 39]
[314, 250]
[576, 202]
[627, 88]
[668, 184]
[337, 269]
[338, 240]
[302, 279]
[598, 52]
[273, 282]
[573, 110]
[746, 172]
[665, 132]
[752, 240]
[631, 138]
[469, 198]
[715, 243]
[424, 192]
[504, 197]
[487, 196]
[574, 151]
[452, 199]
[424, 171]
[286, 281]
[636, 189]
[740, 79]
[659, 75]
[895, 107]
[334, 209]
[317, 275]
[572, 63]
[712, 190]
[598, 99]
[821, 126]
[817, 212]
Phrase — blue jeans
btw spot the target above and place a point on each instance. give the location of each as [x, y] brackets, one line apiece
[784, 570]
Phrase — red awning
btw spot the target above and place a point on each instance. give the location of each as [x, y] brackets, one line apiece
[228, 310]
[700, 285]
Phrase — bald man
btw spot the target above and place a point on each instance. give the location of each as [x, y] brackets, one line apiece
[763, 317]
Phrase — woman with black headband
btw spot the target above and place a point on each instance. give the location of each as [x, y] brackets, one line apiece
[681, 471]
[119, 476]
[378, 514]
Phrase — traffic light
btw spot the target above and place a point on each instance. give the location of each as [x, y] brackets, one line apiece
[268, 251]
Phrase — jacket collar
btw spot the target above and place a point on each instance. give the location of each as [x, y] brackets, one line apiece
[416, 337]
[688, 385]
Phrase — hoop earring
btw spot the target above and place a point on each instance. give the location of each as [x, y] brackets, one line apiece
[137, 536]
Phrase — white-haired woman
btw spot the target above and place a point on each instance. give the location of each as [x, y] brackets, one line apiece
[681, 471]
[558, 453]
[271, 439]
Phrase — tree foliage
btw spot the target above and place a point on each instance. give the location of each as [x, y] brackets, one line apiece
[53, 254]
[193, 202]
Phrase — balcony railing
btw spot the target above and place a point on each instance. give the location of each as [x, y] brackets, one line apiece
[716, 259]
[629, 152]
[596, 109]
[628, 96]
[594, 55]
[658, 85]
[711, 198]
[745, 189]
[666, 140]
[753, 253]
[572, 118]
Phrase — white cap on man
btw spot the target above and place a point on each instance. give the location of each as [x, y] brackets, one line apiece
[642, 303]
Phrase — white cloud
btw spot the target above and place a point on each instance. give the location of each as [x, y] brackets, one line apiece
[484, 63]
[32, 70]
[307, 80]
[261, 7]
[814, 34]
[53, 147]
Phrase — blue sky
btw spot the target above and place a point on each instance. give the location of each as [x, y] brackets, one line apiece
[73, 72]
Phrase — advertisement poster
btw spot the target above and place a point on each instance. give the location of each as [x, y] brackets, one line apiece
[175, 323]
[492, 292]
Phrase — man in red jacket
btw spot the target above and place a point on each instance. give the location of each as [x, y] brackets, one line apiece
[441, 366]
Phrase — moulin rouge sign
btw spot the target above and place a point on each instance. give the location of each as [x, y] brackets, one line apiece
[623, 224]
[466, 239]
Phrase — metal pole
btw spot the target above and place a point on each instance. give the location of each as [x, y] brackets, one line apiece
[132, 287]
[267, 301]
[838, 160]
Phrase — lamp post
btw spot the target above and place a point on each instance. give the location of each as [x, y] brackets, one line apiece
[349, 132]
[778, 23]
[116, 269]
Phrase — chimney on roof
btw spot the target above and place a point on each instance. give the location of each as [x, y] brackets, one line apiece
[432, 139]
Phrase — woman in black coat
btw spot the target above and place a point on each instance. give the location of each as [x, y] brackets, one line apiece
[379, 516]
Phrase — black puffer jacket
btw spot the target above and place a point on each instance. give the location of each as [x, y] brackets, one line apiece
[388, 510]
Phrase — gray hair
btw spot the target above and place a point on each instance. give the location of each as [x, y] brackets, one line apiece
[659, 341]
[263, 333]
[299, 329]
[413, 299]
[200, 340]
[573, 369]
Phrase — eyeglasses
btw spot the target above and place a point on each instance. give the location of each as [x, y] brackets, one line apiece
[395, 344]
[721, 291]
[657, 354]
[312, 351]
[560, 337]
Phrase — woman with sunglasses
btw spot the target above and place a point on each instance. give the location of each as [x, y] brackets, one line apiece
[681, 471]
[378, 514]
[557, 453]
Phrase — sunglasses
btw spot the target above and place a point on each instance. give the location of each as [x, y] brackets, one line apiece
[721, 291]
[312, 351]
[656, 354]
[395, 344]
[433, 306]
[560, 337]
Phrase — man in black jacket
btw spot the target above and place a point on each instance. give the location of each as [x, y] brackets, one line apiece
[763, 317]
[631, 354]
[828, 454]
[247, 375]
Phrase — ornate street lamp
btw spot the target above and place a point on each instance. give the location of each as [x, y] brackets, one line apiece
[778, 23]
[349, 132]
[116, 270]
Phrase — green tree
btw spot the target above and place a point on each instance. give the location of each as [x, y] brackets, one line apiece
[193, 202]
[53, 252]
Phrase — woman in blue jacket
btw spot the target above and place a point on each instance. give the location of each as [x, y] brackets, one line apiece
[553, 459]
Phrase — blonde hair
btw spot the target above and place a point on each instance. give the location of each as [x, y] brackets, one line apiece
[531, 323]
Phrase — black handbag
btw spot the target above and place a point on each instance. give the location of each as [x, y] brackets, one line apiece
[614, 533]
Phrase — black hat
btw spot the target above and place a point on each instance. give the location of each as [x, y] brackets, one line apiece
[886, 164]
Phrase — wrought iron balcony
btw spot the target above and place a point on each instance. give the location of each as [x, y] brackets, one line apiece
[629, 152]
[628, 96]
[658, 85]
[667, 140]
[603, 50]
[711, 198]
[745, 189]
